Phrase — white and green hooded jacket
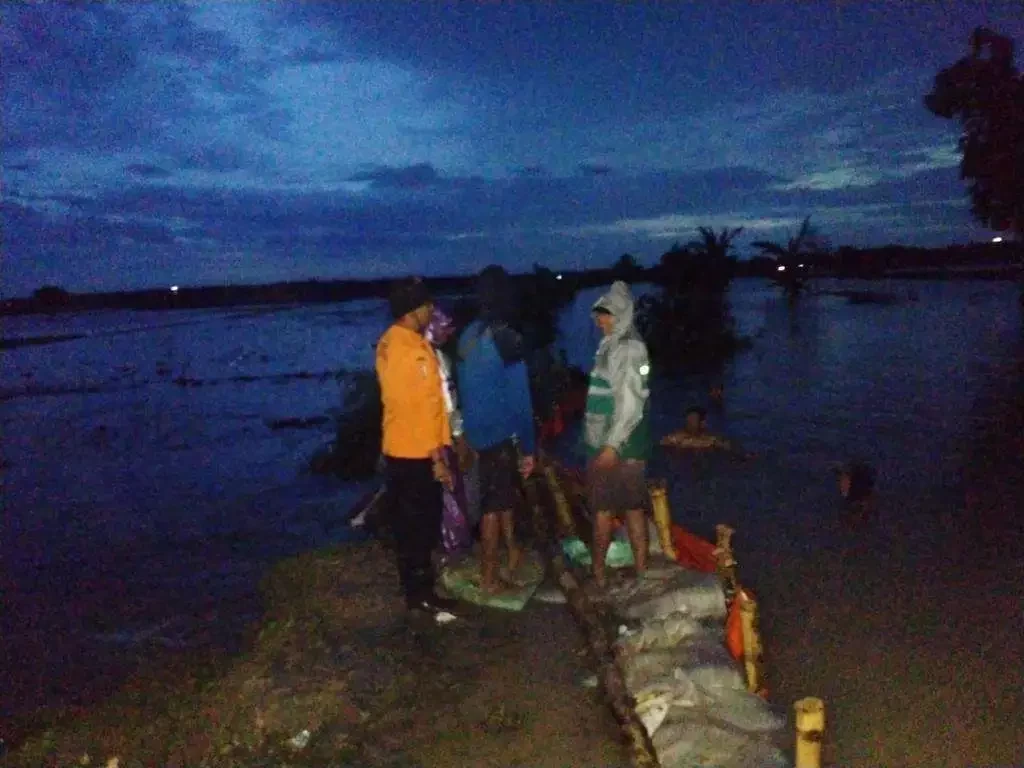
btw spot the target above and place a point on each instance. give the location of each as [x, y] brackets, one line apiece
[617, 400]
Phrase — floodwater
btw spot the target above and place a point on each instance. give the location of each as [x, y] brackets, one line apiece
[144, 493]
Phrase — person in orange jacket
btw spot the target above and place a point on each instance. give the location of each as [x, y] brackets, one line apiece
[416, 432]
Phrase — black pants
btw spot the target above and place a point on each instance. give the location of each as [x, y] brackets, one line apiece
[415, 504]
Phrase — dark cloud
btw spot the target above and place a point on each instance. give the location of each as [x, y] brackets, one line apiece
[103, 76]
[409, 177]
[531, 170]
[77, 201]
[31, 228]
[115, 115]
[146, 171]
[222, 158]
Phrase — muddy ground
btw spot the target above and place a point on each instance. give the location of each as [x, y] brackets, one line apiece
[337, 656]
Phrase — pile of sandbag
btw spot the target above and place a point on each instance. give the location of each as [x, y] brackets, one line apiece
[690, 693]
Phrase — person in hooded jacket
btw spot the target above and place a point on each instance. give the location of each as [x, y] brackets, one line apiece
[497, 416]
[617, 430]
[416, 433]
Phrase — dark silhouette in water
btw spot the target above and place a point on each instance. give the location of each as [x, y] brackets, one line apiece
[857, 487]
[355, 450]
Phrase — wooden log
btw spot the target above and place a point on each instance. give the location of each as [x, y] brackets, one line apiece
[594, 624]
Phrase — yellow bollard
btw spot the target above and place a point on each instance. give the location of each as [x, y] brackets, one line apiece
[662, 517]
[810, 728]
[563, 512]
[751, 641]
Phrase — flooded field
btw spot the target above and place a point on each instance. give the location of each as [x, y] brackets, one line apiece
[145, 492]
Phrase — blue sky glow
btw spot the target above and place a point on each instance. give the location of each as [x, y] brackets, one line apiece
[217, 141]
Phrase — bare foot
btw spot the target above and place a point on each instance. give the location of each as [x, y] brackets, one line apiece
[510, 579]
[515, 557]
[498, 589]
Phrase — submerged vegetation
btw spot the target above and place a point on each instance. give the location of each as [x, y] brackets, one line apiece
[687, 323]
[801, 255]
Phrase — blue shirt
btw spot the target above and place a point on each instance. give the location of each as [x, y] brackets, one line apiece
[495, 395]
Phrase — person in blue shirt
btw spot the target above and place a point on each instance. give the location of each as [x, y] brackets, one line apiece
[497, 416]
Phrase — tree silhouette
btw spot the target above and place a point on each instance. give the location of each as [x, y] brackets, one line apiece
[985, 92]
[688, 322]
[717, 245]
[626, 268]
[51, 296]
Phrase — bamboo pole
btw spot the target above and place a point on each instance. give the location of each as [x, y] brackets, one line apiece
[662, 517]
[751, 641]
[810, 729]
[563, 512]
[726, 561]
[593, 623]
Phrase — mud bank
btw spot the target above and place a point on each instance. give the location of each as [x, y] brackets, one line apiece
[337, 673]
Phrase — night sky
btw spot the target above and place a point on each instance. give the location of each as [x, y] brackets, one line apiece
[194, 143]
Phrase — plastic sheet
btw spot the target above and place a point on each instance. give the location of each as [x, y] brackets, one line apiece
[619, 555]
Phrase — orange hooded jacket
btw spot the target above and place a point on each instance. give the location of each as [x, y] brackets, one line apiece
[415, 417]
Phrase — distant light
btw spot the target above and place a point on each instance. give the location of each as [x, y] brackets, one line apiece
[174, 289]
[801, 266]
[997, 239]
[781, 268]
[558, 277]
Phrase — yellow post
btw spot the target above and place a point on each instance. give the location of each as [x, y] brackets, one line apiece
[563, 511]
[751, 641]
[810, 728]
[662, 516]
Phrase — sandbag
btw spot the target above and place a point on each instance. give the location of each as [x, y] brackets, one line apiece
[702, 653]
[698, 743]
[698, 595]
[660, 633]
[656, 701]
[743, 710]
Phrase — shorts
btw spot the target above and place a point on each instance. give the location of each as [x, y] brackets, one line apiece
[619, 489]
[498, 475]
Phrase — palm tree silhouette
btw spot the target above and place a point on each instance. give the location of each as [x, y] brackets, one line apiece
[795, 257]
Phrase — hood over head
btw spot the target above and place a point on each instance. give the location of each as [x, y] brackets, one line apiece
[618, 302]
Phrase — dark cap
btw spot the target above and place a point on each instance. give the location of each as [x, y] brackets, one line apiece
[407, 295]
[496, 295]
